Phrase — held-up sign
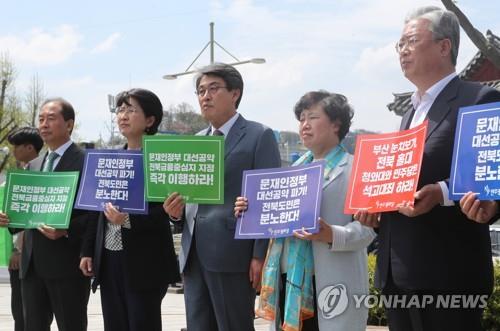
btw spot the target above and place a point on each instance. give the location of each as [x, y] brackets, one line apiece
[281, 201]
[385, 171]
[476, 153]
[114, 176]
[33, 198]
[190, 165]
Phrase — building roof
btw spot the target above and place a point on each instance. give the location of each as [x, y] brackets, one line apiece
[402, 101]
[478, 60]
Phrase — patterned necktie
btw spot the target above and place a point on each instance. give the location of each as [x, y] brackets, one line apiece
[217, 132]
[49, 162]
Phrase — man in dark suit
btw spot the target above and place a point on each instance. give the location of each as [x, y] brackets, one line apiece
[431, 248]
[220, 272]
[52, 283]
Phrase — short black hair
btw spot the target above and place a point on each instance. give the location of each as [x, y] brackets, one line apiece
[232, 77]
[335, 106]
[26, 136]
[67, 110]
[149, 102]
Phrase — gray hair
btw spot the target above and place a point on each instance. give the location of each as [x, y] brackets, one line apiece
[443, 25]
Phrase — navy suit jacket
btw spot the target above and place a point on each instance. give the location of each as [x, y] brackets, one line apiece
[248, 145]
[442, 249]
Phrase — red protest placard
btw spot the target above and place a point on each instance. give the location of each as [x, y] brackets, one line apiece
[385, 170]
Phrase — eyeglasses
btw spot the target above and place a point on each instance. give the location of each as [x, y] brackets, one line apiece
[410, 42]
[212, 89]
[126, 109]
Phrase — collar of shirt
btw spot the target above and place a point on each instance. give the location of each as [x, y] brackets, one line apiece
[226, 126]
[60, 151]
[432, 92]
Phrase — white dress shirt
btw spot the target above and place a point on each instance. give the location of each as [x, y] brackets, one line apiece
[422, 104]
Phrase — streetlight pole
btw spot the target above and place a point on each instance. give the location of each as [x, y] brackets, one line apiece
[212, 43]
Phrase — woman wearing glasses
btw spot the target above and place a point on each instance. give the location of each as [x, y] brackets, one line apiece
[309, 279]
[134, 258]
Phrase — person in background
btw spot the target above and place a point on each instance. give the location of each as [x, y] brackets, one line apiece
[221, 273]
[26, 144]
[306, 268]
[134, 259]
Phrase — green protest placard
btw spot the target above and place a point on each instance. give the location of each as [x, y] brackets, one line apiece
[5, 238]
[190, 165]
[33, 198]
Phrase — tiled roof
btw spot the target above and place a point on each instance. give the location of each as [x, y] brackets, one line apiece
[478, 59]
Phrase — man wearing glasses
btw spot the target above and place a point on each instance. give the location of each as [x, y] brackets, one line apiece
[431, 249]
[221, 273]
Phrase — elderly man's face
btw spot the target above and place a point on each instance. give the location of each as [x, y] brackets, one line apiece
[216, 102]
[54, 130]
[419, 53]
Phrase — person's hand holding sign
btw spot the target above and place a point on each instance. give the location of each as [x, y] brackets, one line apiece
[4, 220]
[477, 210]
[371, 220]
[51, 233]
[240, 205]
[426, 198]
[114, 215]
[325, 233]
[174, 206]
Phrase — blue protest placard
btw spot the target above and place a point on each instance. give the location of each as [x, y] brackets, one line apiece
[476, 154]
[281, 201]
[115, 176]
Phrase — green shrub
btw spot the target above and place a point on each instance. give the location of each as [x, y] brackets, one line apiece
[376, 314]
[491, 316]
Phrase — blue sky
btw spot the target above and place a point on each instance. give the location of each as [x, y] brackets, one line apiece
[83, 51]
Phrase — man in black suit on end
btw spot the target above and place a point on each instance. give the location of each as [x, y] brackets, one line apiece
[431, 248]
[52, 283]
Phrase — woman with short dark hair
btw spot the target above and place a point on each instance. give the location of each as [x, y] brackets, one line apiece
[134, 259]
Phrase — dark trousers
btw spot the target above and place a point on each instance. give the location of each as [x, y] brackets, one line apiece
[125, 308]
[430, 317]
[217, 301]
[310, 324]
[16, 301]
[65, 298]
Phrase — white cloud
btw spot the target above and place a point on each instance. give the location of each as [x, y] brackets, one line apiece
[41, 47]
[107, 44]
[376, 62]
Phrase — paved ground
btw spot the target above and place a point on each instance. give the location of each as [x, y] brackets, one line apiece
[173, 314]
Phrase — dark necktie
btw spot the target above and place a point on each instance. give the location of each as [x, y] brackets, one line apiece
[217, 132]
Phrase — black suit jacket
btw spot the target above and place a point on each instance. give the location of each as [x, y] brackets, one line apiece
[150, 260]
[57, 258]
[442, 249]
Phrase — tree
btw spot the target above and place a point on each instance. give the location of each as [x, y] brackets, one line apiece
[481, 42]
[34, 97]
[183, 119]
[7, 78]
